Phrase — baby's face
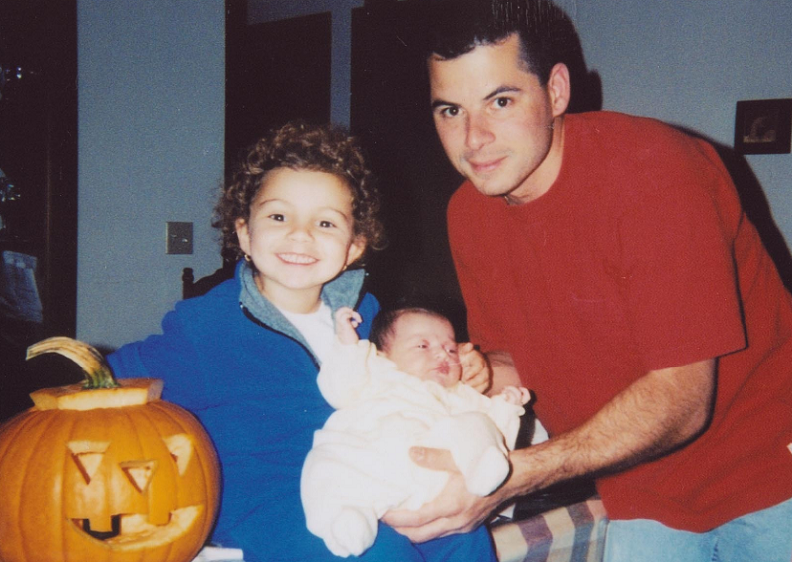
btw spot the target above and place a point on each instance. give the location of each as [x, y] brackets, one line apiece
[424, 346]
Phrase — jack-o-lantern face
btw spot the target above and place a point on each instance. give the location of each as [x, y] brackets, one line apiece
[135, 481]
[142, 510]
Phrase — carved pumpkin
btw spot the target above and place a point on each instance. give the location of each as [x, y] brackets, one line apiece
[104, 471]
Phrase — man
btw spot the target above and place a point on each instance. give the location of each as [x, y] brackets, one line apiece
[606, 263]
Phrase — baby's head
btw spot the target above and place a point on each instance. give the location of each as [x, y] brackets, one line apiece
[420, 342]
[300, 147]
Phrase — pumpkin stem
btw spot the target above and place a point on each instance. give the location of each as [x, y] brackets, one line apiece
[98, 373]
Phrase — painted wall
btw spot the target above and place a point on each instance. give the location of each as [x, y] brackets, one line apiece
[151, 98]
[688, 63]
[151, 132]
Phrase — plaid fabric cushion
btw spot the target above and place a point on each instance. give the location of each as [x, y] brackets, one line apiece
[575, 533]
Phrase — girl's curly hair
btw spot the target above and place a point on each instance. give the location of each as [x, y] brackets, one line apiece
[300, 146]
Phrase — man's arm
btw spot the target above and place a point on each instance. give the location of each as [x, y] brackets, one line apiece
[659, 412]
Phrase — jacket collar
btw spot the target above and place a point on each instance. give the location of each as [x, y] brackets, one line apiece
[344, 290]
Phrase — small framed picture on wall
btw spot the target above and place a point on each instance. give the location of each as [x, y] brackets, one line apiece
[763, 127]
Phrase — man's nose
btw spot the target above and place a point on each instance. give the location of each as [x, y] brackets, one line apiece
[479, 133]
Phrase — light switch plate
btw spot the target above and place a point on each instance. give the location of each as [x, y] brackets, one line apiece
[179, 238]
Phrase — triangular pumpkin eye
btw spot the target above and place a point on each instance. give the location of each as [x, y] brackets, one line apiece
[88, 456]
[181, 449]
[139, 473]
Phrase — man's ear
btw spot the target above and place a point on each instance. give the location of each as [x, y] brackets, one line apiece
[559, 89]
[243, 234]
[356, 250]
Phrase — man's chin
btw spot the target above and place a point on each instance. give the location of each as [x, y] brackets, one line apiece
[489, 188]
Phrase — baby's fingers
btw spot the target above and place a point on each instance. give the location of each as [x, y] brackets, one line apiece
[355, 319]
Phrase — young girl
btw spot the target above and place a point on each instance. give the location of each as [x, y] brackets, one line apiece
[244, 358]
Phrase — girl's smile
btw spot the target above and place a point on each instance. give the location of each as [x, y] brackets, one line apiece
[297, 259]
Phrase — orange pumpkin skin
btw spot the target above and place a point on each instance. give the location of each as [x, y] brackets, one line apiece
[150, 469]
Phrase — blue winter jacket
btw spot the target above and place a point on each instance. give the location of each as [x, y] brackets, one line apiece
[234, 360]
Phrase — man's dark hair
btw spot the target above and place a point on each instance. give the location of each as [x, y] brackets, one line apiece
[547, 34]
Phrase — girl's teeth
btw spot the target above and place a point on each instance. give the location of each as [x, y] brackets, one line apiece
[296, 258]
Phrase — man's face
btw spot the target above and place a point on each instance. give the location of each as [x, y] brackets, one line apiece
[496, 122]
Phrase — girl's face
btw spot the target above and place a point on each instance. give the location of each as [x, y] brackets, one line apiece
[424, 346]
[300, 235]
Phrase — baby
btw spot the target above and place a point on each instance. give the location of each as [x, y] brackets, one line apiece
[407, 393]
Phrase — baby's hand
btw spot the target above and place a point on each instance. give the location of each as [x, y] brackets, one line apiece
[476, 371]
[346, 320]
[515, 395]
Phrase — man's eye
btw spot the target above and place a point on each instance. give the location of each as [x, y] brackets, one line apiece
[502, 102]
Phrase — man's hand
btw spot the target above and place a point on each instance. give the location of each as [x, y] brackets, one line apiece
[455, 510]
[476, 371]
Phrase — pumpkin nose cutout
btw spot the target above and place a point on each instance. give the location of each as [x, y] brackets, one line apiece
[139, 473]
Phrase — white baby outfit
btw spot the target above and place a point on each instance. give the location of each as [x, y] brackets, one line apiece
[359, 466]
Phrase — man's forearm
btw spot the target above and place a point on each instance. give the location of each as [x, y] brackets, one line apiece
[656, 414]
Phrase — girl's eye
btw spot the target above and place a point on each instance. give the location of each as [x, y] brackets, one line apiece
[277, 217]
[326, 224]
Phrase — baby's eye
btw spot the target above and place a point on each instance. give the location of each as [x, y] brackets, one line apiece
[452, 351]
[422, 346]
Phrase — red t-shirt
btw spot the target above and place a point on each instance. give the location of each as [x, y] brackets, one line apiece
[638, 258]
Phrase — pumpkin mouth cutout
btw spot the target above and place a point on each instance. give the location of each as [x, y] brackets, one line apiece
[134, 531]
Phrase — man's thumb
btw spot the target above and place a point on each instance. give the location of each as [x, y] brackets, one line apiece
[436, 459]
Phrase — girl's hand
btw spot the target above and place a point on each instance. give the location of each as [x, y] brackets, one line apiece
[346, 320]
[476, 370]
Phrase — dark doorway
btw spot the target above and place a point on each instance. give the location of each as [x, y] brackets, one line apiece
[275, 72]
[38, 197]
[390, 112]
